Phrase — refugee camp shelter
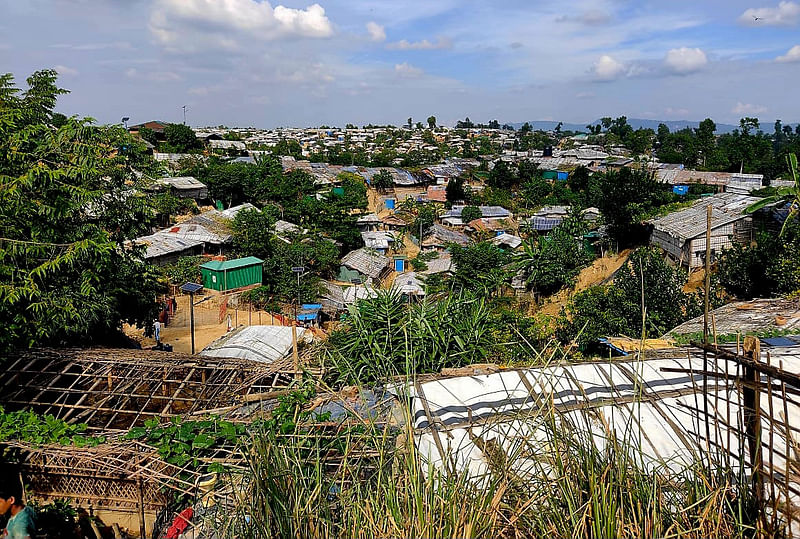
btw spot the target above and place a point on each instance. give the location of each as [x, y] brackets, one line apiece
[185, 187]
[682, 234]
[674, 405]
[364, 264]
[231, 274]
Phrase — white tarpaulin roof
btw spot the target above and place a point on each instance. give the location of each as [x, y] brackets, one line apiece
[265, 344]
[658, 405]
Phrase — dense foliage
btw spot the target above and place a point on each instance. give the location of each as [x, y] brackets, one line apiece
[551, 262]
[646, 290]
[65, 215]
[384, 336]
[480, 267]
[40, 430]
[767, 268]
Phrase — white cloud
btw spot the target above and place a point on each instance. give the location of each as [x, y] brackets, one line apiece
[154, 76]
[685, 60]
[747, 108]
[593, 17]
[121, 45]
[607, 68]
[673, 112]
[182, 24]
[376, 31]
[784, 14]
[66, 71]
[407, 71]
[793, 55]
[584, 95]
[403, 45]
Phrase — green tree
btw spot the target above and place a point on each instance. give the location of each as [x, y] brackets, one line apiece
[645, 283]
[502, 176]
[470, 213]
[627, 196]
[65, 217]
[455, 190]
[790, 194]
[149, 135]
[426, 216]
[431, 122]
[768, 268]
[383, 180]
[253, 232]
[480, 267]
[551, 262]
[181, 138]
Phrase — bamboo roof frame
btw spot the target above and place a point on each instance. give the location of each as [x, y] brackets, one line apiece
[112, 390]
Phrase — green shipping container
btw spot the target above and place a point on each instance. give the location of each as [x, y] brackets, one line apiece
[550, 175]
[230, 274]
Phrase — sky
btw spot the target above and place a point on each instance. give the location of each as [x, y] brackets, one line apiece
[255, 63]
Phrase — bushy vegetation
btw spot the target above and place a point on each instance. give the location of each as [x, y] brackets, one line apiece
[65, 215]
[769, 267]
[645, 298]
[548, 263]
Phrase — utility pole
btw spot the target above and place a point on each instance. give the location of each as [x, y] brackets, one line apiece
[295, 355]
[184, 114]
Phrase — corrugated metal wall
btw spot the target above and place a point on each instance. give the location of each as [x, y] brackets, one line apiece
[222, 280]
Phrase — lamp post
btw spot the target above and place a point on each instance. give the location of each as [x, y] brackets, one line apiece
[191, 289]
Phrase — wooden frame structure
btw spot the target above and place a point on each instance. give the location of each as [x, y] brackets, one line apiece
[111, 391]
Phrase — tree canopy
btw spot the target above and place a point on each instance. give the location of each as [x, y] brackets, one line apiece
[66, 213]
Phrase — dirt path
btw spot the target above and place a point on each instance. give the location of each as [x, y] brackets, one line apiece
[207, 329]
[598, 272]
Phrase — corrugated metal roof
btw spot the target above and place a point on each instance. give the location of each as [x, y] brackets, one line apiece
[221, 265]
[507, 239]
[183, 182]
[377, 239]
[158, 245]
[409, 283]
[366, 261]
[264, 344]
[488, 212]
[748, 316]
[691, 222]
[544, 224]
[439, 235]
[442, 264]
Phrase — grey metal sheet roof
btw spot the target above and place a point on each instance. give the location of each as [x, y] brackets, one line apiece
[488, 212]
[748, 316]
[366, 262]
[439, 235]
[160, 244]
[183, 182]
[691, 222]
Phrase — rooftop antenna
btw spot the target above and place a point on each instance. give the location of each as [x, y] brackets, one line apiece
[184, 114]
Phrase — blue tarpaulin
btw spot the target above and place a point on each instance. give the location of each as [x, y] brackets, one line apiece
[681, 190]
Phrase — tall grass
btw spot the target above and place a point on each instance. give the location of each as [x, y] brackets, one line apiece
[562, 485]
[540, 474]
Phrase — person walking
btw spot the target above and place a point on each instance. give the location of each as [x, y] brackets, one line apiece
[157, 330]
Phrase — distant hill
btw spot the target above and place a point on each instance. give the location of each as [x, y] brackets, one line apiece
[636, 123]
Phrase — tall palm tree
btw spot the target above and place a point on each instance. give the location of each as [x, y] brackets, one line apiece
[791, 194]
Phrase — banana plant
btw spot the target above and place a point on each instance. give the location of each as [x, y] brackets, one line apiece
[787, 194]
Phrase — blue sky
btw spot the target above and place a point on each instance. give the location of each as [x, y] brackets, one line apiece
[251, 63]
